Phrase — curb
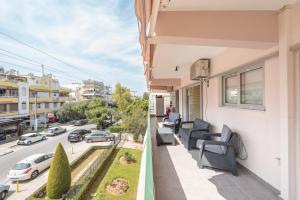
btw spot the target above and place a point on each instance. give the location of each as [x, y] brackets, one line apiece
[6, 153]
[13, 146]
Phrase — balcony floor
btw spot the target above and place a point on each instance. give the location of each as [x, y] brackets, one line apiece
[177, 176]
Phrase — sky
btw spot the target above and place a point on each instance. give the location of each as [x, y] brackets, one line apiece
[97, 39]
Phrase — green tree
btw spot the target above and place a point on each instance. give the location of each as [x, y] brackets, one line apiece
[135, 117]
[99, 115]
[122, 96]
[59, 178]
[146, 96]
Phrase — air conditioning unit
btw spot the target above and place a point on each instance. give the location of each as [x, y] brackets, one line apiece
[200, 69]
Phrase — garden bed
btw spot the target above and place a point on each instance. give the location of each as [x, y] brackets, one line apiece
[78, 169]
[114, 170]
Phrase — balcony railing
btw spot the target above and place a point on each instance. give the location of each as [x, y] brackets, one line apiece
[146, 181]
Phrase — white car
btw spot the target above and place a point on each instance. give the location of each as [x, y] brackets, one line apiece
[53, 131]
[30, 138]
[30, 167]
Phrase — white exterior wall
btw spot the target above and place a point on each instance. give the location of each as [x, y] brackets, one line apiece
[23, 98]
[259, 130]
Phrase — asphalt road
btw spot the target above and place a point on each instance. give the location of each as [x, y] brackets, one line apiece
[21, 152]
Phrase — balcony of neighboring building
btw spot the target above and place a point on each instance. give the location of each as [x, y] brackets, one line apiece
[9, 109]
[8, 95]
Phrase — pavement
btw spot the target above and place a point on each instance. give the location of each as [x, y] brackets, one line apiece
[73, 150]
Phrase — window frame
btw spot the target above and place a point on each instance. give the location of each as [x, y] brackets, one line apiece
[238, 73]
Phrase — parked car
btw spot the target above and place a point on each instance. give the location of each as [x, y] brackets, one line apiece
[99, 136]
[53, 131]
[3, 191]
[77, 135]
[30, 138]
[80, 122]
[30, 167]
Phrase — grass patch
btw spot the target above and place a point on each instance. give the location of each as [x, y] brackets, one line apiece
[129, 172]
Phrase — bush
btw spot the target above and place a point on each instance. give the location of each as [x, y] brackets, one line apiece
[59, 178]
[116, 129]
[128, 157]
[136, 137]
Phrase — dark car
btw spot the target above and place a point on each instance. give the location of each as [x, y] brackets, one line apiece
[77, 135]
[81, 122]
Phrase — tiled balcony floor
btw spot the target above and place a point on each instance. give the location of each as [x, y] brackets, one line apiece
[177, 177]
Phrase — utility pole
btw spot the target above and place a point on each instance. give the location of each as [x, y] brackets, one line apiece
[43, 70]
[35, 114]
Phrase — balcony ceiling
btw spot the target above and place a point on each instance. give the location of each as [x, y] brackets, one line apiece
[177, 5]
[168, 56]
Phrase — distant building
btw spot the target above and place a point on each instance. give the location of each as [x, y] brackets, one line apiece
[90, 89]
[23, 96]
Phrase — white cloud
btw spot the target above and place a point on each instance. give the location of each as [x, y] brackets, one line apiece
[100, 37]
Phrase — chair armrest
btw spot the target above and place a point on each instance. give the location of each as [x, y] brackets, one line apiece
[220, 143]
[165, 118]
[186, 122]
[211, 134]
[198, 129]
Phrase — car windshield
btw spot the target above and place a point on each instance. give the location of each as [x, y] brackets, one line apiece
[23, 138]
[21, 166]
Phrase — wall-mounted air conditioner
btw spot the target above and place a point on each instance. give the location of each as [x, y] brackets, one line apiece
[200, 69]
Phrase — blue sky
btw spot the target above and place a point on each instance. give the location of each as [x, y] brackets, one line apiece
[100, 38]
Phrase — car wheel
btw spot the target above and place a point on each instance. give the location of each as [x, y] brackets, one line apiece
[44, 138]
[29, 143]
[89, 140]
[3, 195]
[34, 174]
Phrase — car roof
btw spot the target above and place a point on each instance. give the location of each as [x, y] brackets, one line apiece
[28, 134]
[32, 158]
[54, 127]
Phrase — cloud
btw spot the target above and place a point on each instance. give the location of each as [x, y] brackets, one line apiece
[99, 37]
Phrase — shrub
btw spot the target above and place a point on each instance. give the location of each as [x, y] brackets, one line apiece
[116, 129]
[128, 157]
[136, 137]
[59, 178]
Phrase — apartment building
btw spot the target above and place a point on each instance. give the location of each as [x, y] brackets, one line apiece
[90, 89]
[46, 97]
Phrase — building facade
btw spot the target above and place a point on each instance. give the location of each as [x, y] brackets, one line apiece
[253, 84]
[90, 89]
[24, 97]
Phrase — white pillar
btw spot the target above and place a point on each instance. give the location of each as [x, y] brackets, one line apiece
[287, 107]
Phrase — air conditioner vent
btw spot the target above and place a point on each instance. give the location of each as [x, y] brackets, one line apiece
[200, 69]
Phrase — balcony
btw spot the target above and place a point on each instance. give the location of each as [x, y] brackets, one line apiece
[40, 88]
[10, 113]
[176, 175]
[9, 99]
[41, 111]
[9, 84]
[40, 100]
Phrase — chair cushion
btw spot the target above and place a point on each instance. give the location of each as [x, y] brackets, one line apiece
[211, 147]
[200, 124]
[226, 134]
[173, 116]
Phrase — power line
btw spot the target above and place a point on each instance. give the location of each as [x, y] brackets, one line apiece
[31, 62]
[41, 51]
[26, 67]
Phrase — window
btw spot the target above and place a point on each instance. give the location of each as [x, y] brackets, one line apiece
[24, 105]
[3, 108]
[244, 88]
[252, 87]
[231, 87]
[24, 92]
[46, 105]
[38, 105]
[14, 107]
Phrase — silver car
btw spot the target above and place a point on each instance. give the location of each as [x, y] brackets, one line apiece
[3, 191]
[99, 136]
[53, 131]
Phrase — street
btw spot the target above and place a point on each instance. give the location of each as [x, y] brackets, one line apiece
[20, 152]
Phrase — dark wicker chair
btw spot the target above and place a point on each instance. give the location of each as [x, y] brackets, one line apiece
[173, 121]
[191, 135]
[218, 154]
